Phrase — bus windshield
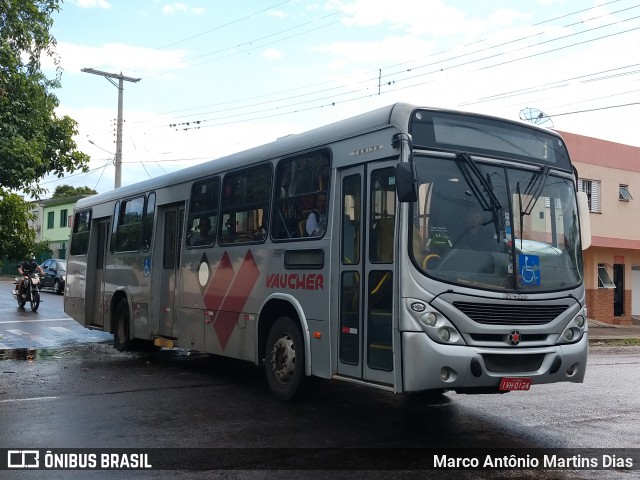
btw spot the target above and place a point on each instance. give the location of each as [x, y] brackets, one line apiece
[527, 240]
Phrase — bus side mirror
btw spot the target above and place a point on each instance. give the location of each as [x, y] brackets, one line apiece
[585, 220]
[406, 182]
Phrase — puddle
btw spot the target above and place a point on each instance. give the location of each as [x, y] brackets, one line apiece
[21, 354]
[32, 354]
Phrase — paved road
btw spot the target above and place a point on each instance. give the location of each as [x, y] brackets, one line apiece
[48, 327]
[94, 396]
[80, 392]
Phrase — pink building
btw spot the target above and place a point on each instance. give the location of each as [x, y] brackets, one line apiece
[610, 175]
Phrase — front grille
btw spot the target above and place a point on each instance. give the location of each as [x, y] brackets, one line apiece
[497, 363]
[498, 337]
[495, 314]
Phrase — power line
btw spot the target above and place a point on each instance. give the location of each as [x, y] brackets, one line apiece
[201, 122]
[224, 25]
[251, 42]
[394, 86]
[448, 68]
[592, 110]
[46, 182]
[516, 40]
[558, 83]
[575, 13]
[466, 54]
[100, 177]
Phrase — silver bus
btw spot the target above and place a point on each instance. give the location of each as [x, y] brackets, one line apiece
[409, 249]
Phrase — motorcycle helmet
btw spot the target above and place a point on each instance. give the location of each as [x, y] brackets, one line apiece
[32, 256]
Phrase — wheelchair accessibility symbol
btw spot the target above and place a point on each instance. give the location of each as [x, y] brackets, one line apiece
[529, 269]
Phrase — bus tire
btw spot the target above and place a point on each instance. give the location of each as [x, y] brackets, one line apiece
[121, 338]
[284, 359]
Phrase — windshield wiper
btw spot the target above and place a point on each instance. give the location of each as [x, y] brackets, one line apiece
[481, 188]
[533, 191]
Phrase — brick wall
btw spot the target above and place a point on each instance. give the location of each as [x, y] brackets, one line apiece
[600, 306]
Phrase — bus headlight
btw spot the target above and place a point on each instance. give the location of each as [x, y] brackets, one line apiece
[429, 319]
[444, 334]
[436, 325]
[574, 330]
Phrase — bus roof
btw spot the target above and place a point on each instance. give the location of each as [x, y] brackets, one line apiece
[396, 115]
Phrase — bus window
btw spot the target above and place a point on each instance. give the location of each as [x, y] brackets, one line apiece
[129, 231]
[203, 213]
[147, 231]
[383, 214]
[351, 220]
[245, 205]
[301, 184]
[379, 315]
[114, 227]
[80, 235]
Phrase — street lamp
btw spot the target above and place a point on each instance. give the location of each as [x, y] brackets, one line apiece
[98, 146]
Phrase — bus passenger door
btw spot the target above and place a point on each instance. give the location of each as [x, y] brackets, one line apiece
[166, 261]
[95, 281]
[366, 282]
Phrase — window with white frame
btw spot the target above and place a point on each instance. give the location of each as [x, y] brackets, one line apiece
[604, 278]
[624, 194]
[592, 189]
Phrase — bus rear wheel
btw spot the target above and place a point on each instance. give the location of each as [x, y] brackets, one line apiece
[122, 318]
[284, 363]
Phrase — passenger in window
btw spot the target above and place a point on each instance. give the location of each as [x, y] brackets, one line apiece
[317, 219]
[204, 236]
[261, 233]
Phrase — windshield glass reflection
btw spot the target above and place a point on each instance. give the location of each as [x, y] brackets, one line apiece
[526, 240]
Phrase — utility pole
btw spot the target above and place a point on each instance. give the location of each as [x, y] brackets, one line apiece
[121, 78]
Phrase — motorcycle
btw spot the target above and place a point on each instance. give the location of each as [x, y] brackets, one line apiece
[30, 291]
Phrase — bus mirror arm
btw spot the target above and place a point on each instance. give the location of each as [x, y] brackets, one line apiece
[406, 185]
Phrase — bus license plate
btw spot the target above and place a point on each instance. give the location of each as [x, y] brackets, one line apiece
[515, 383]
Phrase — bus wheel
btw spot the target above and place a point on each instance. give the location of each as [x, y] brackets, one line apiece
[284, 366]
[122, 318]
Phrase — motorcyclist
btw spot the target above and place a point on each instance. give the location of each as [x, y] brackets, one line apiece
[25, 268]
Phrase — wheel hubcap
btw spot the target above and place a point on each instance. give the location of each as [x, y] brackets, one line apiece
[283, 358]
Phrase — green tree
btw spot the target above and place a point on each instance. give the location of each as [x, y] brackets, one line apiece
[63, 191]
[16, 238]
[34, 141]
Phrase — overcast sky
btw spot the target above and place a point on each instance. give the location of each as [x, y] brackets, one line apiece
[220, 76]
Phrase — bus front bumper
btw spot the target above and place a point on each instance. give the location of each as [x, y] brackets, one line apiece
[429, 365]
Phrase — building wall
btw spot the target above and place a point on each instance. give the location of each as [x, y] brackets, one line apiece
[36, 222]
[57, 235]
[615, 228]
[600, 301]
[635, 293]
